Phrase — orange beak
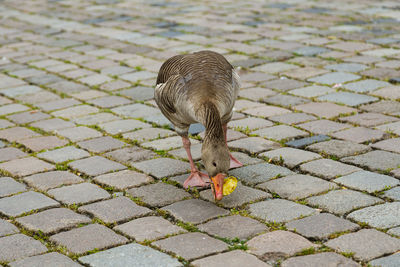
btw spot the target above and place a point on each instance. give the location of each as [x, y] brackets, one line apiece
[218, 185]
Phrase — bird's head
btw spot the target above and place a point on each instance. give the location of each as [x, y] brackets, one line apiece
[216, 161]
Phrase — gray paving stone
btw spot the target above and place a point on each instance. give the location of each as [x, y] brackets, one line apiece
[132, 254]
[194, 211]
[115, 210]
[17, 134]
[166, 143]
[96, 165]
[312, 91]
[334, 78]
[259, 173]
[58, 104]
[16, 205]
[63, 154]
[123, 179]
[52, 220]
[279, 210]
[162, 167]
[101, 144]
[310, 50]
[375, 160]
[250, 123]
[265, 111]
[339, 148]
[149, 228]
[285, 100]
[5, 124]
[360, 135]
[282, 243]
[324, 126]
[79, 193]
[321, 226]
[148, 134]
[253, 144]
[195, 150]
[95, 119]
[292, 118]
[79, 133]
[326, 258]
[136, 111]
[390, 127]
[297, 186]
[365, 85]
[53, 124]
[130, 155]
[392, 145]
[86, 238]
[325, 110]
[52, 179]
[347, 67]
[369, 119]
[349, 99]
[74, 112]
[380, 216]
[18, 246]
[139, 93]
[343, 201]
[9, 186]
[52, 258]
[159, 194]
[393, 193]
[231, 227]
[239, 197]
[43, 142]
[300, 143]
[280, 132]
[291, 157]
[236, 258]
[7, 228]
[122, 126]
[68, 87]
[366, 244]
[367, 181]
[394, 231]
[28, 117]
[327, 168]
[388, 261]
[191, 245]
[20, 90]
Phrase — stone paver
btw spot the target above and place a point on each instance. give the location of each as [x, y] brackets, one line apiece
[319, 96]
[132, 255]
[191, 245]
[366, 244]
[86, 238]
[18, 246]
[388, 261]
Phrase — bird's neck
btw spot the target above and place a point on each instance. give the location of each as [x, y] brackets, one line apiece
[209, 116]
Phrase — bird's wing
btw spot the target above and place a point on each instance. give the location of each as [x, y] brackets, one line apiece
[165, 94]
[169, 68]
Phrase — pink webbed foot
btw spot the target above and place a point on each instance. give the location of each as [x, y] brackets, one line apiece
[197, 179]
[234, 163]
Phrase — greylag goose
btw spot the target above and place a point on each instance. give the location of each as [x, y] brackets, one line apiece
[201, 87]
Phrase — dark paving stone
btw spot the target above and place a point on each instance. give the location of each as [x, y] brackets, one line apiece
[281, 243]
[367, 181]
[86, 238]
[53, 220]
[259, 173]
[236, 258]
[318, 259]
[52, 258]
[279, 210]
[380, 216]
[7, 228]
[19, 204]
[18, 246]
[191, 245]
[366, 244]
[115, 210]
[48, 180]
[239, 197]
[321, 226]
[297, 186]
[148, 228]
[96, 165]
[342, 201]
[375, 160]
[162, 167]
[9, 186]
[300, 143]
[159, 194]
[79, 193]
[339, 148]
[231, 227]
[130, 254]
[194, 211]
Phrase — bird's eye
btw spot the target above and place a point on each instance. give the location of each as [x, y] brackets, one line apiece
[214, 164]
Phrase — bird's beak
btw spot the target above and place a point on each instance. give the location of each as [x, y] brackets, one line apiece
[217, 185]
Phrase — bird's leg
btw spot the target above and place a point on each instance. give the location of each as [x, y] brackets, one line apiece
[196, 178]
[234, 162]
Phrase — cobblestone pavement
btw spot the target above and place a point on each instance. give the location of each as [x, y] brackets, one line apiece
[92, 172]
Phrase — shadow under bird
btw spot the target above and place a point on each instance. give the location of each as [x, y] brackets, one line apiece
[201, 87]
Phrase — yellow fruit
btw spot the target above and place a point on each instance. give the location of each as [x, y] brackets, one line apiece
[230, 184]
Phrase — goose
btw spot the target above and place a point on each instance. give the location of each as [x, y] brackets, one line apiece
[201, 88]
